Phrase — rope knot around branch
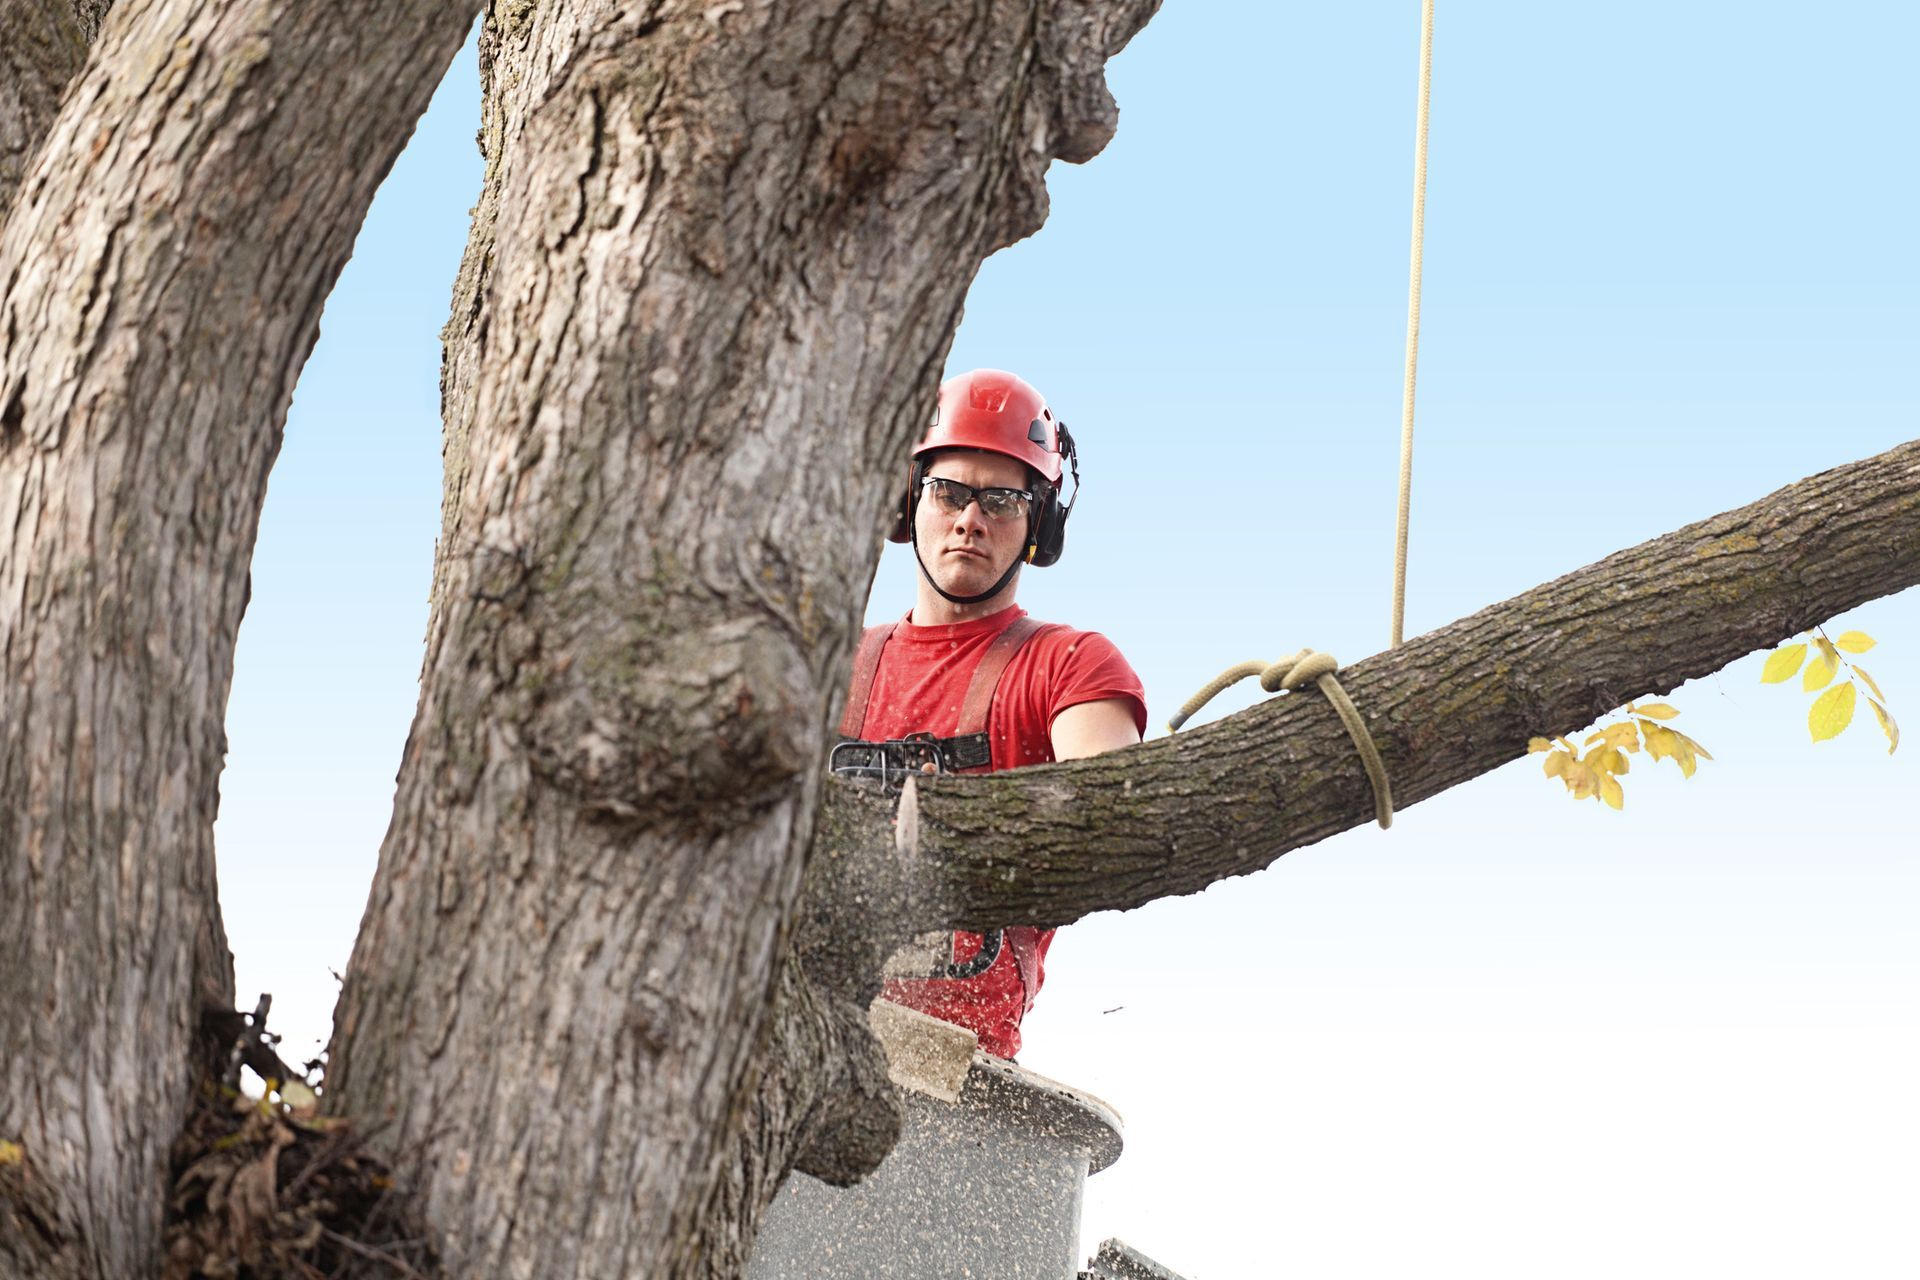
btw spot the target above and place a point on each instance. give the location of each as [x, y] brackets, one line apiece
[1302, 669]
[1295, 674]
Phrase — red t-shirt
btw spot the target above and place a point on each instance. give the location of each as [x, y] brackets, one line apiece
[918, 688]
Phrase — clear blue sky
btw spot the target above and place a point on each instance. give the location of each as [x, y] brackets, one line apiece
[1670, 267]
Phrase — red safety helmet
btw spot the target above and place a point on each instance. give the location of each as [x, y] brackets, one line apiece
[995, 411]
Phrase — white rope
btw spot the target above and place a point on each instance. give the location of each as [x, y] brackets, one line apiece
[1413, 323]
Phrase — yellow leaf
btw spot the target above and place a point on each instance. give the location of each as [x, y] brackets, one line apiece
[1611, 793]
[1655, 710]
[11, 1153]
[1693, 747]
[1862, 673]
[1887, 726]
[1855, 641]
[1664, 743]
[1818, 672]
[1538, 744]
[1831, 712]
[299, 1095]
[1609, 760]
[1683, 756]
[1556, 763]
[1616, 735]
[1783, 664]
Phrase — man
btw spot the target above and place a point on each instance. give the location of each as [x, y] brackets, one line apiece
[966, 666]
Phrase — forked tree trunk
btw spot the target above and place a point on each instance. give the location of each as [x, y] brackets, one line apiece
[718, 264]
[161, 277]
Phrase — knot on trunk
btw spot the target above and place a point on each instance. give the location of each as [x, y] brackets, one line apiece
[858, 1115]
[699, 725]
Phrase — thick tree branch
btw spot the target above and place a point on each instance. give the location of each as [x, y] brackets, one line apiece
[1048, 845]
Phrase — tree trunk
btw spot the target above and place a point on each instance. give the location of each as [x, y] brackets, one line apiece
[719, 260]
[162, 271]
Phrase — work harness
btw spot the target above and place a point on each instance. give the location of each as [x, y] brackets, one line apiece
[969, 750]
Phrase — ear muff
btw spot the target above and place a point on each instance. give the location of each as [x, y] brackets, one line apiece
[1049, 529]
[1050, 525]
[902, 530]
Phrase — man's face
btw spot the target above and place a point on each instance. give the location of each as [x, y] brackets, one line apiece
[966, 551]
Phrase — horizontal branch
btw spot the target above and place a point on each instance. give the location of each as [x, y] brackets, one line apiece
[1050, 844]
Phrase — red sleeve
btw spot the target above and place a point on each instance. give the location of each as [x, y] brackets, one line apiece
[1086, 667]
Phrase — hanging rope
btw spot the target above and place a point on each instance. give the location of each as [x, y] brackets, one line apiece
[1307, 667]
[1302, 669]
[1413, 323]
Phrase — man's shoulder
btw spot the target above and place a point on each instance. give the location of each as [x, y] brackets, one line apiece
[1061, 633]
[1057, 644]
[1064, 666]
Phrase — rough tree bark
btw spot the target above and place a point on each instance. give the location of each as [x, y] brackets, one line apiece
[721, 254]
[162, 270]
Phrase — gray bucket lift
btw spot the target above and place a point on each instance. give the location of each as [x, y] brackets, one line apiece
[985, 1183]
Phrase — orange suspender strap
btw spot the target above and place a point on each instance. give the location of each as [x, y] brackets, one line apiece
[978, 703]
[866, 663]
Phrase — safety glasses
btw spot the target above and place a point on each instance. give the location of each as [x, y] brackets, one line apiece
[998, 504]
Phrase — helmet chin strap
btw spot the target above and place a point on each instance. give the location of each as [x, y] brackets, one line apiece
[992, 591]
[951, 598]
